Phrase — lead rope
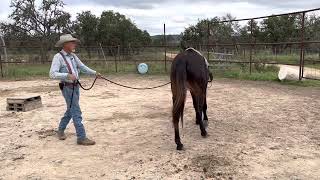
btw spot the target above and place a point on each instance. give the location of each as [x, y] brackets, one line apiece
[125, 86]
[87, 89]
[121, 85]
[73, 84]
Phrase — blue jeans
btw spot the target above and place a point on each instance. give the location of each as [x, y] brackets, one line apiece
[74, 113]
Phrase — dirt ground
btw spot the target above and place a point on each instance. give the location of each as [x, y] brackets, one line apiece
[257, 130]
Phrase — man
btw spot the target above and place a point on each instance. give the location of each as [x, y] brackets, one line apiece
[65, 67]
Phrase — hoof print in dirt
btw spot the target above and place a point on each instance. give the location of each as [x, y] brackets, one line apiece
[215, 167]
[46, 133]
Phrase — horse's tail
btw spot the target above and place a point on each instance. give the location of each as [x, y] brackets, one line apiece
[180, 79]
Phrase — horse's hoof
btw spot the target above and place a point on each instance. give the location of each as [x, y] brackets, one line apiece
[204, 134]
[180, 147]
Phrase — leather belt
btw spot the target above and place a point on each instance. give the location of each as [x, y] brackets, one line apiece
[70, 84]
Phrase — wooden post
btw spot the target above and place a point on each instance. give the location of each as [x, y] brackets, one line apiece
[3, 46]
[104, 56]
[276, 52]
[251, 46]
[165, 47]
[208, 36]
[115, 59]
[118, 55]
[1, 66]
[302, 47]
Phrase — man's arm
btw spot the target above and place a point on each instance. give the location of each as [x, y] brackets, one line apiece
[83, 68]
[54, 70]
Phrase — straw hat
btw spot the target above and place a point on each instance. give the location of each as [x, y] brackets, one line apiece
[66, 38]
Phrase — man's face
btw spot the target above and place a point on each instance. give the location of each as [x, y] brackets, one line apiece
[70, 46]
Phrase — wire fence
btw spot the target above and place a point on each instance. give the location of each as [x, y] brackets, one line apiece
[249, 57]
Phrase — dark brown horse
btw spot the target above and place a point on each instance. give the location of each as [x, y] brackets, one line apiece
[189, 71]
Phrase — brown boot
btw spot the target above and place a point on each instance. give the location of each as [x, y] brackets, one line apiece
[86, 142]
[61, 135]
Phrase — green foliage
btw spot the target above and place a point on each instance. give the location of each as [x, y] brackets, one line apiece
[280, 29]
[110, 29]
[285, 28]
[217, 32]
[45, 22]
[42, 21]
[86, 28]
[269, 73]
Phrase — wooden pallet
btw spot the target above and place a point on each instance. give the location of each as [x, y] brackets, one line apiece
[24, 103]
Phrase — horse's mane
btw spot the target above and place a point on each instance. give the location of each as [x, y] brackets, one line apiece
[194, 50]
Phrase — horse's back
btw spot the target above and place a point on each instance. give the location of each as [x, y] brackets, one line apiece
[195, 64]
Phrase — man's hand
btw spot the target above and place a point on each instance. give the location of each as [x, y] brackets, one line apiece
[98, 75]
[71, 77]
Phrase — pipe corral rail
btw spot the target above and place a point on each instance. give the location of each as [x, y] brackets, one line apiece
[118, 51]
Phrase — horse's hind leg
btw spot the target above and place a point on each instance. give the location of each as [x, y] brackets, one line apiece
[177, 136]
[199, 114]
[205, 117]
[195, 104]
[176, 117]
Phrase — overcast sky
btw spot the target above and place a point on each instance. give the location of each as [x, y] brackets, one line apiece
[150, 14]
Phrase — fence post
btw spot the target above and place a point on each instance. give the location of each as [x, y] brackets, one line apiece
[165, 47]
[208, 36]
[118, 54]
[1, 66]
[115, 60]
[276, 52]
[3, 46]
[251, 46]
[302, 47]
[104, 56]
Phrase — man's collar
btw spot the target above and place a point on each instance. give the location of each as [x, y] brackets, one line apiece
[65, 53]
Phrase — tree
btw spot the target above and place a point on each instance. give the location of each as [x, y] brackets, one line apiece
[115, 29]
[44, 22]
[145, 38]
[280, 29]
[312, 28]
[86, 28]
[218, 32]
[245, 32]
[40, 21]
